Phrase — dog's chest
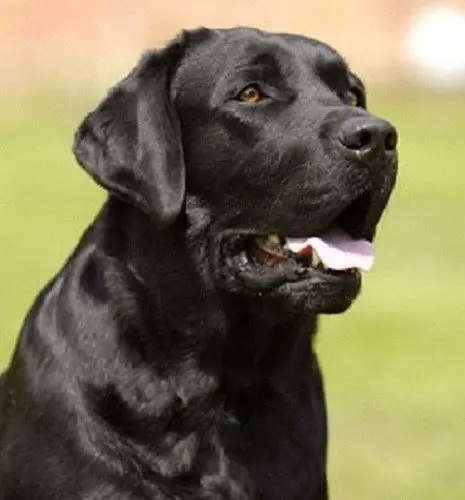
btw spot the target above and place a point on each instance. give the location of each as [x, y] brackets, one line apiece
[271, 455]
[278, 452]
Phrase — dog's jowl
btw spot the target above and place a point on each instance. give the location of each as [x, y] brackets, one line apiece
[171, 356]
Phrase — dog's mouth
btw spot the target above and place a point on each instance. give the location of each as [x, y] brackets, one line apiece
[263, 262]
[334, 250]
[330, 259]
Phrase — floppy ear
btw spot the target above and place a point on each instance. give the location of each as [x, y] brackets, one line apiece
[131, 143]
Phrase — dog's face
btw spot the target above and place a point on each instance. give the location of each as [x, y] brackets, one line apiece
[271, 134]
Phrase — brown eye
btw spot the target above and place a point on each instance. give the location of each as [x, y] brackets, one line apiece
[251, 94]
[352, 98]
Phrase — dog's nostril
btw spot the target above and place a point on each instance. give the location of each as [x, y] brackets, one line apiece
[356, 139]
[365, 139]
[390, 142]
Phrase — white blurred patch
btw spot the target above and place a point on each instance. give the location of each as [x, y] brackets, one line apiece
[437, 44]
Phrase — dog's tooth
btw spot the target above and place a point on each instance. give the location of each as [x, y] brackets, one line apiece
[274, 239]
[315, 258]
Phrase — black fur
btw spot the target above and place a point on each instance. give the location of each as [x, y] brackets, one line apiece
[162, 362]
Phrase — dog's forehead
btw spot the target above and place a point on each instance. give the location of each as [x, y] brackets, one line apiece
[314, 53]
[240, 47]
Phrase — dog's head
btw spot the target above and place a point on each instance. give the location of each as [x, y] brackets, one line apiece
[270, 133]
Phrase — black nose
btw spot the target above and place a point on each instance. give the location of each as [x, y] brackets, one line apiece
[369, 137]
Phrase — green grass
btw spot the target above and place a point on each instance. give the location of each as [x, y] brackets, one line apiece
[393, 365]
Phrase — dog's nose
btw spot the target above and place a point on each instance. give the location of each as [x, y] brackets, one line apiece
[370, 138]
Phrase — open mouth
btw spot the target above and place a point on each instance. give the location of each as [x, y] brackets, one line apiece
[314, 252]
[331, 256]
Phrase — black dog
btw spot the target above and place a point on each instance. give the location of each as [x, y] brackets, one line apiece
[171, 357]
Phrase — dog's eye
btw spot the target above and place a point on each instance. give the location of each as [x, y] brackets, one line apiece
[352, 98]
[251, 94]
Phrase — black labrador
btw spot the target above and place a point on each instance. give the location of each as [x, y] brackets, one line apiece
[171, 357]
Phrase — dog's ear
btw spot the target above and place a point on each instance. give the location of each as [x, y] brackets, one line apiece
[131, 143]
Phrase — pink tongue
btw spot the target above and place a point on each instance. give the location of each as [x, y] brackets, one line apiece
[337, 250]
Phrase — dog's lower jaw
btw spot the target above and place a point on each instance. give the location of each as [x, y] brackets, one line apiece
[283, 288]
[293, 298]
[321, 299]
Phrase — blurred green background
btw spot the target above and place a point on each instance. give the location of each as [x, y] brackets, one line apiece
[393, 365]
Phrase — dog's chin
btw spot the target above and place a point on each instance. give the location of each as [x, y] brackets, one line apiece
[287, 284]
[331, 295]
